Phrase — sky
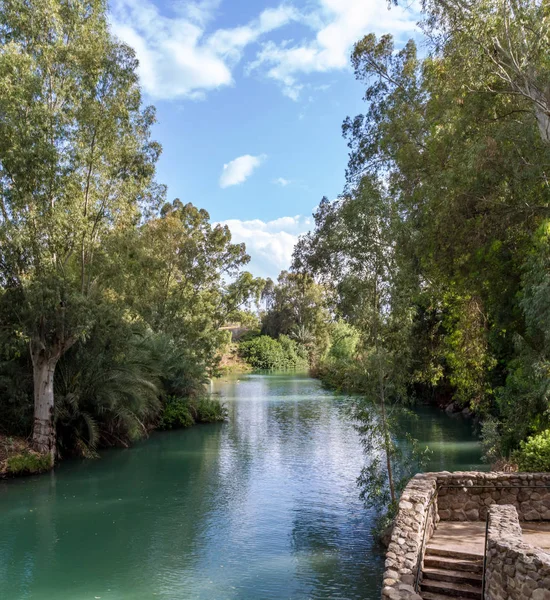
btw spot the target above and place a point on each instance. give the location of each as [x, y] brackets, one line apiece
[250, 98]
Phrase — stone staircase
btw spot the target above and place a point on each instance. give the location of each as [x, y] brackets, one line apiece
[450, 573]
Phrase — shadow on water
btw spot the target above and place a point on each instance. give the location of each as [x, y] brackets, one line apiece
[264, 507]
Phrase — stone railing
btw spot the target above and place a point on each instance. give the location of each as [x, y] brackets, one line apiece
[413, 526]
[468, 496]
[514, 570]
[464, 496]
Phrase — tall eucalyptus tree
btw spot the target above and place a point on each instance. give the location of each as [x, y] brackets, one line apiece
[76, 167]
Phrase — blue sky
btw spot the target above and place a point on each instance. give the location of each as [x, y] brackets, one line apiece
[250, 98]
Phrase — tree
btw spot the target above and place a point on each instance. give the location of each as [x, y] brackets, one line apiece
[297, 306]
[187, 279]
[464, 170]
[353, 249]
[76, 167]
[504, 47]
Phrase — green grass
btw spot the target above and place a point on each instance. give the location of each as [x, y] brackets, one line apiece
[28, 462]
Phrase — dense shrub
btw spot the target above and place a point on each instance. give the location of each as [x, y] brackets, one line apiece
[267, 353]
[183, 412]
[16, 393]
[176, 414]
[208, 410]
[295, 354]
[341, 374]
[534, 454]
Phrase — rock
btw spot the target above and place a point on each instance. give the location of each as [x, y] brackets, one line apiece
[452, 408]
[384, 537]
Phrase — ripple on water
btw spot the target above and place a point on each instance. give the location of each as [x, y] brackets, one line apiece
[264, 507]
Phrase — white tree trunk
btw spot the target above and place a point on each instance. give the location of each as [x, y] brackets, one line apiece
[43, 437]
[543, 119]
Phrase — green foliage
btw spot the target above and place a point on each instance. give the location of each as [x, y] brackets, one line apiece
[111, 299]
[28, 462]
[295, 355]
[437, 252]
[340, 374]
[184, 412]
[297, 306]
[108, 391]
[176, 413]
[267, 353]
[379, 432]
[534, 454]
[491, 440]
[208, 410]
[344, 340]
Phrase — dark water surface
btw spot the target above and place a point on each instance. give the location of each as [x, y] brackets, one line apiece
[264, 507]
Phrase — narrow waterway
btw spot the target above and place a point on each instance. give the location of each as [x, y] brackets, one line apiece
[263, 507]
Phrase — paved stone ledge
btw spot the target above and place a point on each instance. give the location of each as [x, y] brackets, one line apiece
[515, 570]
[462, 496]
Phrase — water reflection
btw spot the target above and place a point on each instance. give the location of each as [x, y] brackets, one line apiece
[262, 507]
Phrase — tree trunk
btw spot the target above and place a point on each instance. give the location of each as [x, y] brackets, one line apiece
[543, 120]
[387, 439]
[43, 436]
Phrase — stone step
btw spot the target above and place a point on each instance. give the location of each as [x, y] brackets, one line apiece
[430, 596]
[452, 553]
[455, 590]
[453, 564]
[451, 576]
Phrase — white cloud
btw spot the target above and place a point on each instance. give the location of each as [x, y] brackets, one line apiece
[338, 24]
[270, 244]
[177, 58]
[282, 181]
[174, 60]
[180, 57]
[199, 11]
[240, 169]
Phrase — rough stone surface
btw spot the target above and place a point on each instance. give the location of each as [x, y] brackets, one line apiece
[515, 570]
[417, 511]
[463, 496]
[468, 496]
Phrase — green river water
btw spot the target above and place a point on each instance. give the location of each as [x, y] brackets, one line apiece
[263, 507]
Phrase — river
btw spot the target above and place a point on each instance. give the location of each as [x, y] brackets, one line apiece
[263, 507]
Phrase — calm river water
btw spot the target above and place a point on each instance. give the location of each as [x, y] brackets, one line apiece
[263, 507]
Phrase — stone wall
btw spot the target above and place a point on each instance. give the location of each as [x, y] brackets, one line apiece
[464, 496]
[468, 496]
[406, 545]
[515, 570]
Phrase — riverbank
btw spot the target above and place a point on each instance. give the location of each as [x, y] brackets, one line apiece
[347, 376]
[231, 362]
[17, 457]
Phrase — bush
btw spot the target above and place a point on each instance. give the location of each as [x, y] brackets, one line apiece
[266, 353]
[176, 414]
[534, 454]
[340, 374]
[295, 354]
[28, 462]
[184, 412]
[208, 410]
